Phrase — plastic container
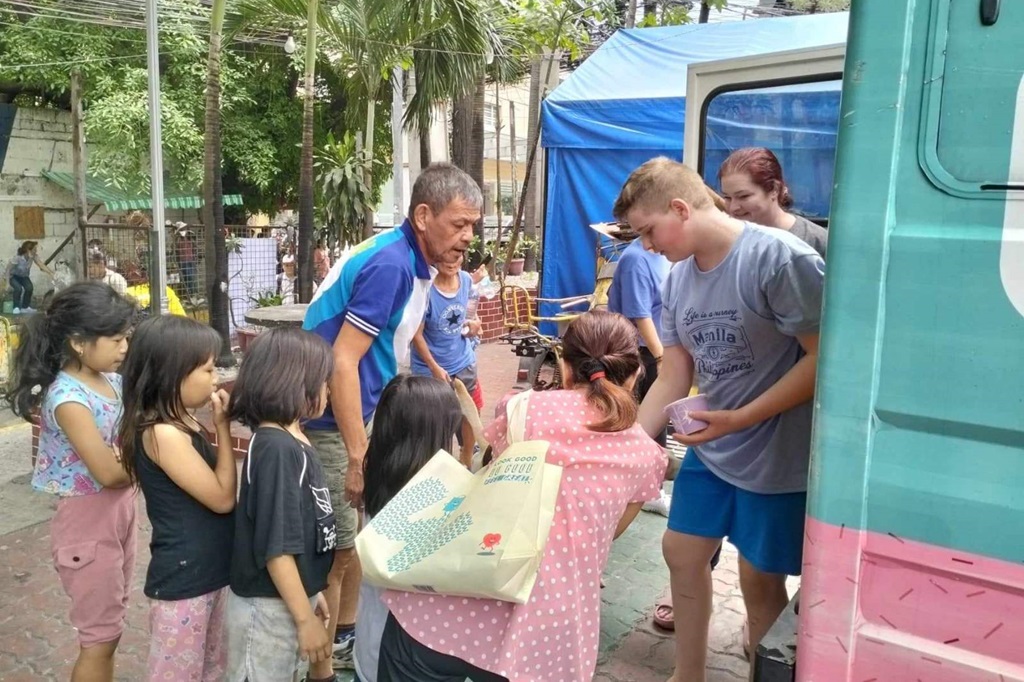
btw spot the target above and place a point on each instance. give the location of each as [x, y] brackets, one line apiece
[471, 312]
[679, 413]
[486, 288]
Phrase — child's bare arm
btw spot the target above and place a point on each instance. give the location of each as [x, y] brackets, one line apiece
[419, 342]
[632, 509]
[172, 451]
[673, 383]
[76, 420]
[314, 643]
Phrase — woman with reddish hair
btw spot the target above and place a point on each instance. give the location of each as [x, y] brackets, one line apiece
[755, 191]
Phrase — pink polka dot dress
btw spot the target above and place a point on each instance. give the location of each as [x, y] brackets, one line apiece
[554, 636]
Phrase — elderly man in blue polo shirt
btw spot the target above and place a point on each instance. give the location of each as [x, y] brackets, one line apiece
[369, 307]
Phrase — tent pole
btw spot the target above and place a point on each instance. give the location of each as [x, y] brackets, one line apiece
[158, 239]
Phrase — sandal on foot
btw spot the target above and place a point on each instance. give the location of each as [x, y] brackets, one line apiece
[664, 616]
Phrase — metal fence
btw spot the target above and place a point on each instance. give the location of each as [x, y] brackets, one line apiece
[260, 264]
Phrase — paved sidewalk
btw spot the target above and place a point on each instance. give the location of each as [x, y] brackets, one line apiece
[37, 643]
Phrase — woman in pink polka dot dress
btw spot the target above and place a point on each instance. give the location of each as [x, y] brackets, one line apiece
[610, 468]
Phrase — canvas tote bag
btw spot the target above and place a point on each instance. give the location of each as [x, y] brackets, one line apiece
[452, 532]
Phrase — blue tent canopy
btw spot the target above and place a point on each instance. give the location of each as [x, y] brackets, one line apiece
[626, 104]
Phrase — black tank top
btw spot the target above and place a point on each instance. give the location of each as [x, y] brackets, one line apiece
[191, 545]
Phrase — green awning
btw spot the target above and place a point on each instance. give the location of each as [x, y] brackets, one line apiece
[99, 192]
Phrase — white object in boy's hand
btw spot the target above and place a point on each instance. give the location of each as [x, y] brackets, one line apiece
[679, 413]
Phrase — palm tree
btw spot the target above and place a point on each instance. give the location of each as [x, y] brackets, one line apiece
[374, 36]
[306, 229]
[468, 138]
[213, 192]
[367, 39]
[462, 76]
[298, 14]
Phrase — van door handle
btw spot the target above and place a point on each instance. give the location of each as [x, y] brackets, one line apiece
[989, 12]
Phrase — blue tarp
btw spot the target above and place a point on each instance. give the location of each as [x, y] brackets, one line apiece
[626, 104]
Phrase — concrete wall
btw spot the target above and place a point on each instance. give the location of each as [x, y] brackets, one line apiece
[38, 139]
[31, 141]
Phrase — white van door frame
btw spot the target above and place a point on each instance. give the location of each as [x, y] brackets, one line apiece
[707, 80]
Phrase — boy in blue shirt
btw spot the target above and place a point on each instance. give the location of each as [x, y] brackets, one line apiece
[444, 345]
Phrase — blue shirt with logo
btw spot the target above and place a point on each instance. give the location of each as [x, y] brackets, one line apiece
[381, 289]
[442, 330]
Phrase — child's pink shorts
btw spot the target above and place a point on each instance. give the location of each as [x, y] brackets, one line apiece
[93, 541]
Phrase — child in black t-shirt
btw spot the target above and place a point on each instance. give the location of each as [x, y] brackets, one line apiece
[284, 522]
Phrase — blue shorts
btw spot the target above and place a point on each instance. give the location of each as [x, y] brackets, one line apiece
[768, 530]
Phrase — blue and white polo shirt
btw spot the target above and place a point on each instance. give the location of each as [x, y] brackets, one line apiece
[381, 289]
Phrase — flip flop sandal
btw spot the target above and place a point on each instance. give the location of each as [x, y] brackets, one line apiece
[746, 640]
[664, 616]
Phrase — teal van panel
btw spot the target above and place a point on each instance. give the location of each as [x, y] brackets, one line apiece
[922, 351]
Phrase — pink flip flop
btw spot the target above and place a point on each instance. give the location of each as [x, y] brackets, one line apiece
[664, 616]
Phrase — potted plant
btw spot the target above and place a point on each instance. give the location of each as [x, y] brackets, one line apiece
[515, 266]
[263, 300]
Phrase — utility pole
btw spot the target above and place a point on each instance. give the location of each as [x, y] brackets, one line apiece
[158, 240]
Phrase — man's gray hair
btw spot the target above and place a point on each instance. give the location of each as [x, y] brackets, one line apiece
[439, 184]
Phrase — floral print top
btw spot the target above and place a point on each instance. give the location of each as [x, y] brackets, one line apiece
[59, 470]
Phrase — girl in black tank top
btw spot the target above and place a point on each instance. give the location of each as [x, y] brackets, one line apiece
[189, 487]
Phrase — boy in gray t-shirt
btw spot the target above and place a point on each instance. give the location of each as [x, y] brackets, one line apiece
[739, 322]
[741, 315]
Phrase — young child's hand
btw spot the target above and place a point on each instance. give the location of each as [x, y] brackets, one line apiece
[322, 610]
[220, 401]
[441, 375]
[314, 644]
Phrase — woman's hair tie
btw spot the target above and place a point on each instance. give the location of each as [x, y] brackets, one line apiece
[593, 369]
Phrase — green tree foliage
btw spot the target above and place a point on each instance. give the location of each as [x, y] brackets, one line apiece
[820, 5]
[344, 194]
[261, 112]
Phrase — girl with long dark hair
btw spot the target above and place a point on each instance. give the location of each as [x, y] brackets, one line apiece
[65, 374]
[189, 486]
[416, 417]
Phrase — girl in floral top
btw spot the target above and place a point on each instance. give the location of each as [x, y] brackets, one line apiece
[64, 373]
[610, 468]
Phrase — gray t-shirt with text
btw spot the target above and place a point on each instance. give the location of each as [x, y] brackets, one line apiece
[739, 321]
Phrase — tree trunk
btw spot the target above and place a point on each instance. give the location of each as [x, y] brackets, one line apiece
[468, 139]
[705, 12]
[476, 157]
[424, 148]
[213, 194]
[397, 138]
[631, 14]
[371, 110]
[305, 236]
[533, 132]
[423, 125]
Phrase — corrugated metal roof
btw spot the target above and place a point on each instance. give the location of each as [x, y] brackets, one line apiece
[113, 200]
